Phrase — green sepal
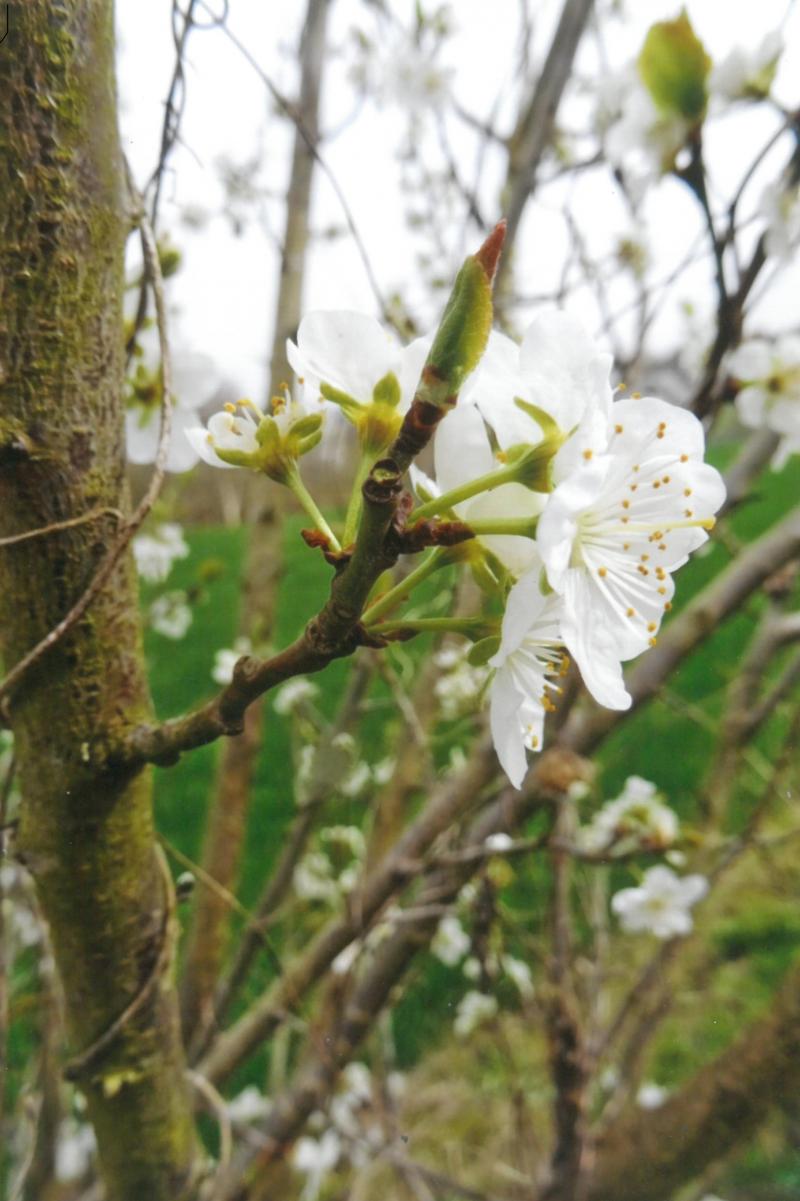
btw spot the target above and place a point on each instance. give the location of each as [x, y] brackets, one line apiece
[547, 424]
[304, 445]
[238, 458]
[387, 391]
[348, 404]
[674, 68]
[309, 424]
[268, 435]
[480, 654]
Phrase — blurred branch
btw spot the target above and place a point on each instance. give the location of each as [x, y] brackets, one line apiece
[364, 905]
[532, 135]
[649, 1154]
[323, 782]
[310, 141]
[391, 958]
[226, 823]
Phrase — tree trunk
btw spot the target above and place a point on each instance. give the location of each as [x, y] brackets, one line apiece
[86, 833]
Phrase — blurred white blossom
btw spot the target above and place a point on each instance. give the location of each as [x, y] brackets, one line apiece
[651, 1095]
[156, 552]
[769, 392]
[661, 905]
[170, 615]
[226, 659]
[747, 74]
[638, 817]
[473, 1010]
[451, 941]
[293, 693]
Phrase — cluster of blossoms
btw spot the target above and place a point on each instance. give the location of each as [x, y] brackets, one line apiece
[583, 505]
[638, 819]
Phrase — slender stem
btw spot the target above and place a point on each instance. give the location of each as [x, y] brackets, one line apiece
[525, 527]
[469, 626]
[484, 483]
[302, 493]
[354, 505]
[436, 559]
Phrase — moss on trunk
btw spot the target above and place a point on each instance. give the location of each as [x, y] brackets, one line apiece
[86, 835]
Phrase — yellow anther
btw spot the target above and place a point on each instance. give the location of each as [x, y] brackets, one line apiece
[229, 408]
[587, 454]
[602, 571]
[667, 606]
[626, 504]
[642, 570]
[618, 429]
[651, 625]
[688, 513]
[684, 458]
[652, 641]
[631, 613]
[687, 492]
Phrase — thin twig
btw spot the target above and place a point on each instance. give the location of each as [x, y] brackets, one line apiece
[56, 526]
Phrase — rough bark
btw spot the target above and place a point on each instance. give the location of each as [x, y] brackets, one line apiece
[85, 833]
[227, 819]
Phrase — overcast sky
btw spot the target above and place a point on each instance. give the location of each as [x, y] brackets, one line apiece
[224, 295]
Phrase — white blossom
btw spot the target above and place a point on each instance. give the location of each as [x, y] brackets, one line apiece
[498, 842]
[353, 353]
[528, 664]
[250, 1105]
[170, 615]
[315, 1158]
[295, 692]
[194, 382]
[661, 905]
[349, 837]
[473, 1010]
[616, 528]
[460, 685]
[747, 74]
[313, 879]
[403, 72]
[770, 391]
[780, 209]
[356, 780]
[519, 973]
[642, 140]
[451, 941]
[226, 659]
[637, 817]
[156, 552]
[651, 1095]
[75, 1148]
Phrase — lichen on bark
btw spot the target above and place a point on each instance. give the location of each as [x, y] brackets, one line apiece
[86, 834]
